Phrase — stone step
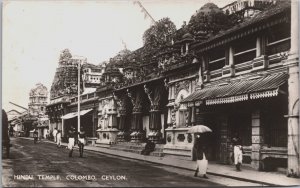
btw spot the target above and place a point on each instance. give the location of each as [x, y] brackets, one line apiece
[157, 154]
[128, 150]
[102, 145]
[138, 148]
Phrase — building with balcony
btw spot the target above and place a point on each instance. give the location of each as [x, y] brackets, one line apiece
[92, 74]
[233, 76]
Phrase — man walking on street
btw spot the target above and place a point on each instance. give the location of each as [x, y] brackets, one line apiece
[81, 138]
[58, 138]
[54, 134]
[71, 144]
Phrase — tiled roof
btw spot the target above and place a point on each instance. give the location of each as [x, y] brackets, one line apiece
[238, 88]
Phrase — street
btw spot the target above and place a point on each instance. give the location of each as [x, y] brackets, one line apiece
[45, 165]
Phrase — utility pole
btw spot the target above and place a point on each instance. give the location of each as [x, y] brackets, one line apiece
[78, 97]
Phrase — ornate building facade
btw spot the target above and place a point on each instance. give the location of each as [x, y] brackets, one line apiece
[233, 76]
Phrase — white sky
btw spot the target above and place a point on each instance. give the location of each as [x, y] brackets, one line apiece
[35, 32]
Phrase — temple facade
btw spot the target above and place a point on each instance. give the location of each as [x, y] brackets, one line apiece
[234, 76]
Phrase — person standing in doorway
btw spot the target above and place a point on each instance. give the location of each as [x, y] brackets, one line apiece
[201, 150]
[54, 134]
[237, 151]
[58, 138]
[71, 144]
[81, 141]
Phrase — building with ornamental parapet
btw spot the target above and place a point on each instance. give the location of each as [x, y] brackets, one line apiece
[233, 75]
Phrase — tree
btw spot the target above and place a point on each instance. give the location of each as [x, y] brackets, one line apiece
[158, 34]
[209, 19]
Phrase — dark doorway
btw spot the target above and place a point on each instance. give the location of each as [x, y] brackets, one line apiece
[212, 121]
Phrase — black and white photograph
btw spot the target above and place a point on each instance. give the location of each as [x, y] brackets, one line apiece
[150, 93]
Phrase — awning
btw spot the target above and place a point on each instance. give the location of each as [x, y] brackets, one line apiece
[252, 88]
[75, 114]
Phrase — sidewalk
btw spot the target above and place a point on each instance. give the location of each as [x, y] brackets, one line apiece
[228, 171]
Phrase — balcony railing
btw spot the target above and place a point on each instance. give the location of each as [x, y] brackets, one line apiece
[216, 73]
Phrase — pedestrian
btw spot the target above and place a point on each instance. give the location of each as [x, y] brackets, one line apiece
[11, 130]
[71, 135]
[54, 134]
[58, 138]
[35, 136]
[81, 141]
[237, 151]
[201, 150]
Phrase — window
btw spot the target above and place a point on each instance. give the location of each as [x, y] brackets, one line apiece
[245, 50]
[216, 59]
[279, 39]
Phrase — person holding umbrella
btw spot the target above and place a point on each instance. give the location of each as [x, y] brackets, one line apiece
[201, 152]
[200, 147]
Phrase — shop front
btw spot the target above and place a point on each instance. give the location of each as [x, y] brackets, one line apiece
[255, 109]
[70, 120]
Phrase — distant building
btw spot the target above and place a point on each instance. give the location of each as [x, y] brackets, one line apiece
[38, 97]
[92, 74]
[15, 116]
[247, 8]
[38, 100]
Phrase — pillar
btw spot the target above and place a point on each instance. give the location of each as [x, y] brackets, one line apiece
[257, 140]
[228, 69]
[293, 94]
[62, 127]
[260, 61]
[231, 56]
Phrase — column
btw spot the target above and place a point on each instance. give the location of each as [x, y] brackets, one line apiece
[206, 74]
[231, 56]
[62, 127]
[257, 139]
[260, 61]
[228, 69]
[293, 94]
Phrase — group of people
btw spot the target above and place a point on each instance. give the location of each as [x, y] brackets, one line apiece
[73, 138]
[201, 147]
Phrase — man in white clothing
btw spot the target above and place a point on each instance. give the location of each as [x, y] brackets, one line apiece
[54, 134]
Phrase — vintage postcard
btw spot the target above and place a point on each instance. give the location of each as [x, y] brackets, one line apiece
[150, 93]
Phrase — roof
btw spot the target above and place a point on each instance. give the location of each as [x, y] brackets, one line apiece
[75, 114]
[252, 88]
[279, 7]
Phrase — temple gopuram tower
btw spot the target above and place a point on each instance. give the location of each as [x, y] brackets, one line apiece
[63, 87]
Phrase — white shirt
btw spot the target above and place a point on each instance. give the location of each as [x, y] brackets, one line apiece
[54, 132]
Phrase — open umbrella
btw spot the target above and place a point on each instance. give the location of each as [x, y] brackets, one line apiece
[199, 129]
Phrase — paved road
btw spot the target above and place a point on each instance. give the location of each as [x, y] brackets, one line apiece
[49, 166]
